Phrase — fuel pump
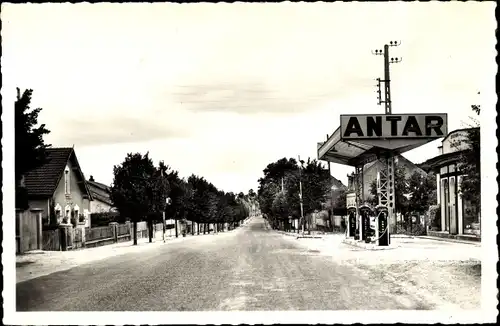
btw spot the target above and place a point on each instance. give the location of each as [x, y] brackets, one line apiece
[382, 227]
[351, 221]
[365, 213]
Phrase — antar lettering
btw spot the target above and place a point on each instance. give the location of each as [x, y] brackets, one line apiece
[353, 127]
[393, 126]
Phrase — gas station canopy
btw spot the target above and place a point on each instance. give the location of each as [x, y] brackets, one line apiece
[363, 151]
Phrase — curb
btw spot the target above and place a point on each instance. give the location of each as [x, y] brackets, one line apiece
[298, 236]
[366, 246]
[472, 243]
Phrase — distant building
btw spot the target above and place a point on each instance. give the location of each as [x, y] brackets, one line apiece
[458, 216]
[102, 197]
[324, 219]
[370, 172]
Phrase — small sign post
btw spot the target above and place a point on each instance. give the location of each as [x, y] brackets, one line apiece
[167, 202]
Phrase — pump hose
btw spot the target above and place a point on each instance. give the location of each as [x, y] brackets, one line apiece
[385, 230]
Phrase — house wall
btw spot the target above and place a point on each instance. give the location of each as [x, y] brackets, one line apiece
[97, 206]
[371, 173]
[74, 198]
[454, 142]
[42, 204]
[457, 215]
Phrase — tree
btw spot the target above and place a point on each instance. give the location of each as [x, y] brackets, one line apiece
[315, 186]
[29, 144]
[251, 194]
[400, 190]
[131, 190]
[158, 189]
[277, 174]
[340, 198]
[280, 207]
[470, 164]
[422, 190]
[204, 200]
[373, 198]
[267, 192]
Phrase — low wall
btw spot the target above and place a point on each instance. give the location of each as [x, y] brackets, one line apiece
[446, 235]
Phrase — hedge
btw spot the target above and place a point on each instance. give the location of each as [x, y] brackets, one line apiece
[103, 219]
[434, 216]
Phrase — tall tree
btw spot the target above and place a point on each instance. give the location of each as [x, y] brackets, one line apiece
[400, 190]
[29, 144]
[470, 164]
[373, 197]
[251, 193]
[315, 186]
[276, 174]
[158, 190]
[131, 189]
[180, 199]
[422, 191]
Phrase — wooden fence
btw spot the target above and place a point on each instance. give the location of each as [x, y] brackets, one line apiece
[28, 230]
[71, 238]
[51, 240]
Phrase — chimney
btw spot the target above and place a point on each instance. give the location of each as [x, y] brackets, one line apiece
[91, 178]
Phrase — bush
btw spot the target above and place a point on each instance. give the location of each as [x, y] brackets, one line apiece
[103, 219]
[50, 227]
[410, 229]
[339, 211]
[434, 217]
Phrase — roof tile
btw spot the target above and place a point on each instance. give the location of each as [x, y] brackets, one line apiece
[43, 180]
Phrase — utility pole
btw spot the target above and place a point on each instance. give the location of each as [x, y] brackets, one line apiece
[387, 78]
[300, 196]
[386, 175]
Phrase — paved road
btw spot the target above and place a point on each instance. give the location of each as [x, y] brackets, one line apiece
[251, 268]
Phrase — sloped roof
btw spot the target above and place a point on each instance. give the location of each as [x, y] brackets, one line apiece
[97, 185]
[337, 183]
[98, 195]
[399, 157]
[43, 181]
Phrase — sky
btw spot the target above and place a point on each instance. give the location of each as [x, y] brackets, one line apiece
[223, 90]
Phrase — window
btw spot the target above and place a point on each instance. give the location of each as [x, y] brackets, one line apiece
[76, 212]
[67, 211]
[67, 189]
[57, 211]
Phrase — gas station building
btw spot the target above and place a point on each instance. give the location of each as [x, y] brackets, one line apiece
[458, 216]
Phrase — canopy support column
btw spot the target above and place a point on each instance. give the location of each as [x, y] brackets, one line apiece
[386, 184]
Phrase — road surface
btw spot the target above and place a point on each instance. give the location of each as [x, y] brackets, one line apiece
[251, 268]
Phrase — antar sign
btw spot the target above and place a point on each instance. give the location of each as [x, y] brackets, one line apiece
[392, 126]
